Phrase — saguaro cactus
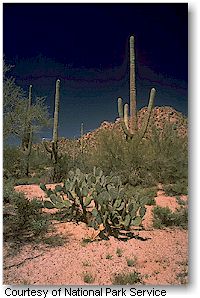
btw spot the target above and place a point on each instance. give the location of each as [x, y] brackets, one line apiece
[27, 152]
[133, 109]
[124, 115]
[27, 139]
[81, 139]
[27, 126]
[56, 111]
[53, 148]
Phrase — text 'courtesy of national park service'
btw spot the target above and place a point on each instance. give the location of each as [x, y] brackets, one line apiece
[80, 292]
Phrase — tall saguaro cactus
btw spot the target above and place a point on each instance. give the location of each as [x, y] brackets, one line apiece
[27, 139]
[133, 109]
[56, 111]
[27, 126]
[53, 149]
[124, 115]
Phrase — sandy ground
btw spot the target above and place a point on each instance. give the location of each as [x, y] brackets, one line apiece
[160, 256]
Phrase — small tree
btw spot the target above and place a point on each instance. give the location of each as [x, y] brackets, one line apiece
[22, 116]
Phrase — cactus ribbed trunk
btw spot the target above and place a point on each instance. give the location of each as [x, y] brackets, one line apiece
[149, 111]
[27, 128]
[30, 96]
[27, 152]
[126, 108]
[133, 111]
[53, 148]
[56, 111]
[81, 140]
[28, 135]
[30, 132]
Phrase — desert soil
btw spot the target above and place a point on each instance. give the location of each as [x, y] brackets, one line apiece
[160, 256]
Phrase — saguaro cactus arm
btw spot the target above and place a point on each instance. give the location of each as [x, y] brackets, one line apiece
[126, 117]
[48, 148]
[149, 110]
[123, 121]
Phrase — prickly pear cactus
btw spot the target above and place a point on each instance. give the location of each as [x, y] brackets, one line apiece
[102, 201]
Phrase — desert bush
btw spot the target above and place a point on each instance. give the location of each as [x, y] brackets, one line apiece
[119, 252]
[27, 180]
[9, 193]
[14, 164]
[88, 278]
[29, 215]
[147, 194]
[164, 217]
[127, 278]
[169, 155]
[8, 190]
[55, 173]
[129, 160]
[162, 157]
[11, 161]
[131, 262]
[39, 159]
[67, 163]
[26, 217]
[179, 188]
[55, 240]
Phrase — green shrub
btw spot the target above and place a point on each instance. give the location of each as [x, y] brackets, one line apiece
[179, 188]
[88, 278]
[65, 164]
[109, 257]
[11, 161]
[164, 217]
[131, 262]
[8, 190]
[169, 155]
[26, 218]
[141, 193]
[27, 181]
[162, 157]
[119, 252]
[39, 159]
[127, 278]
[54, 241]
[29, 215]
[129, 160]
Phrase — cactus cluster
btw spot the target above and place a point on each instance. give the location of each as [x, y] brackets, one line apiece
[124, 111]
[102, 201]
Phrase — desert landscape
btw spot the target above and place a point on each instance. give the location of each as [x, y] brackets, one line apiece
[155, 256]
[95, 153]
[69, 252]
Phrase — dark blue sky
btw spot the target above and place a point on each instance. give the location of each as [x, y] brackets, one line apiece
[86, 46]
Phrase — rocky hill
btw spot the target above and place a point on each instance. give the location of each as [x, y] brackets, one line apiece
[160, 116]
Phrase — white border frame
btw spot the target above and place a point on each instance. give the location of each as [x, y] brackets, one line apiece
[193, 288]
